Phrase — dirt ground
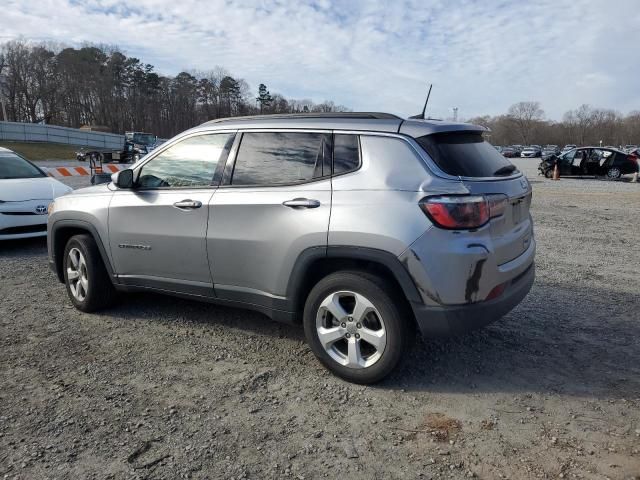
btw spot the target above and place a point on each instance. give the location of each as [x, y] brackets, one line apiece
[160, 387]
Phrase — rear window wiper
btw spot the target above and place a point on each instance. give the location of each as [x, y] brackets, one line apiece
[506, 170]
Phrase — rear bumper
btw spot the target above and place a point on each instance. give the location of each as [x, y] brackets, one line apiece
[437, 321]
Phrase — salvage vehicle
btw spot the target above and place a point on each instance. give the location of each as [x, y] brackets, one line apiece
[136, 145]
[590, 161]
[25, 194]
[361, 226]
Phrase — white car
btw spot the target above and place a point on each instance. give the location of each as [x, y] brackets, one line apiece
[25, 194]
[530, 152]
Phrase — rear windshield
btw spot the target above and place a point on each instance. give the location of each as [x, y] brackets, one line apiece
[466, 154]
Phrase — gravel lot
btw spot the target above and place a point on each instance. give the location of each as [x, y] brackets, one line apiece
[160, 387]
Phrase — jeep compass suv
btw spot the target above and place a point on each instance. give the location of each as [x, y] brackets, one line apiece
[360, 226]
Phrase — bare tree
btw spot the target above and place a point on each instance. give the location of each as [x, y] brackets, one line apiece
[525, 116]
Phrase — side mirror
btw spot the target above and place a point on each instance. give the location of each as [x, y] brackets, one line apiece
[123, 179]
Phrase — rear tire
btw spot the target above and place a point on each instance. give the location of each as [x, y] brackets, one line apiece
[357, 325]
[614, 173]
[85, 276]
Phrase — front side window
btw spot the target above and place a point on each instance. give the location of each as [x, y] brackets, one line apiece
[14, 166]
[189, 163]
[346, 154]
[280, 158]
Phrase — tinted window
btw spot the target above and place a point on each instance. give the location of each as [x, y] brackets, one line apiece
[13, 166]
[280, 158]
[465, 154]
[189, 163]
[346, 154]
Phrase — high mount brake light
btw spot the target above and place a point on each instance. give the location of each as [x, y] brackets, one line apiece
[463, 212]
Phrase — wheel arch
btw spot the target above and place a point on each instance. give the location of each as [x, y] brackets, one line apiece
[316, 263]
[62, 231]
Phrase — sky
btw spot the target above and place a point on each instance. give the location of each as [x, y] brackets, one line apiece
[480, 55]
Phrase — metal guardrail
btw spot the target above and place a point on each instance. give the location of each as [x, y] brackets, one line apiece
[32, 132]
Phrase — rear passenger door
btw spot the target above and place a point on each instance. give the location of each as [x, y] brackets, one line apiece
[274, 203]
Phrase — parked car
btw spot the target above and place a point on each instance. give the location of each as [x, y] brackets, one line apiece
[531, 152]
[590, 161]
[554, 148]
[548, 152]
[509, 152]
[359, 226]
[568, 147]
[630, 148]
[25, 194]
[518, 149]
[136, 145]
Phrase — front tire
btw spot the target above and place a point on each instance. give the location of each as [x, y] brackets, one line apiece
[85, 276]
[357, 326]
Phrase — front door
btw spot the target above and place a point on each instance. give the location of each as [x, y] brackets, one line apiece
[274, 206]
[158, 229]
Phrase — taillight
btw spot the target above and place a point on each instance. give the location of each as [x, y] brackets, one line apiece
[462, 212]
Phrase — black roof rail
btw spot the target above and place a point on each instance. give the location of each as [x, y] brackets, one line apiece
[352, 115]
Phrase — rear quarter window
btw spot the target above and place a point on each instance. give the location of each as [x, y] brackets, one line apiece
[346, 153]
[466, 154]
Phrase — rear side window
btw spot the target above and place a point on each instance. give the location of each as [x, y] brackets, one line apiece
[466, 154]
[346, 154]
[274, 158]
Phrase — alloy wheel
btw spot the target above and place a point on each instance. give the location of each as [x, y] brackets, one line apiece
[77, 274]
[613, 172]
[351, 329]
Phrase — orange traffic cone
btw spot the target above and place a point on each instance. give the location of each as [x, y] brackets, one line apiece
[556, 173]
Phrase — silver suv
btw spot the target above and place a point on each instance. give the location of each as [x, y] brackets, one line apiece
[359, 226]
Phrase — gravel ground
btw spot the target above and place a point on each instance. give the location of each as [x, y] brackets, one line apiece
[160, 387]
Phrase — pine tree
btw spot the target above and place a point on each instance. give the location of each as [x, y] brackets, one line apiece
[264, 98]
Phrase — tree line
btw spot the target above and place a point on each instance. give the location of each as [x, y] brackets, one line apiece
[525, 124]
[102, 86]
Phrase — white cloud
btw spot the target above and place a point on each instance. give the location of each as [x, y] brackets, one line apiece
[481, 56]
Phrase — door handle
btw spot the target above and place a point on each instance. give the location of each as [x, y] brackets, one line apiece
[302, 203]
[188, 204]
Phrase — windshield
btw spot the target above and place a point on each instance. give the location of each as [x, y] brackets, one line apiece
[466, 154]
[144, 138]
[14, 166]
